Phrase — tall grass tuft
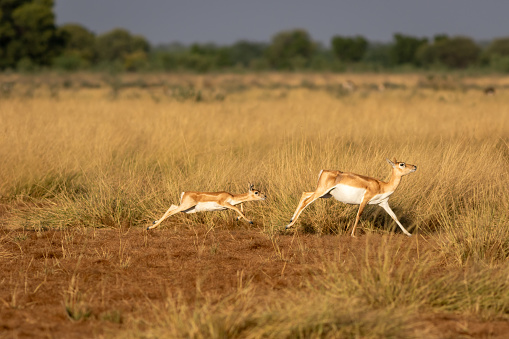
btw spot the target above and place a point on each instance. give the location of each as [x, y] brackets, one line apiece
[293, 316]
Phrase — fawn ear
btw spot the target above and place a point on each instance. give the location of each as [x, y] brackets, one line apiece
[392, 163]
[251, 186]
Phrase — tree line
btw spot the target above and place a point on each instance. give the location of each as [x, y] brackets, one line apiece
[30, 40]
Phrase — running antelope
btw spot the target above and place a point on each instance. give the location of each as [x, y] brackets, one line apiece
[356, 189]
[192, 202]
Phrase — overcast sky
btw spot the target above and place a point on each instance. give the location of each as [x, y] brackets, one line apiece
[227, 21]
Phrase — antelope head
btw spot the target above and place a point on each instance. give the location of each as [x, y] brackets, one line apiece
[401, 168]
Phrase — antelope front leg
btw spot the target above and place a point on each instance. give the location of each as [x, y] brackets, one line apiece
[359, 212]
[386, 207]
[242, 210]
[230, 206]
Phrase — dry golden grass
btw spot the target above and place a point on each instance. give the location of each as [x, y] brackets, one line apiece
[117, 156]
[86, 157]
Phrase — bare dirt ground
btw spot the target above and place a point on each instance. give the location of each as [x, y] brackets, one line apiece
[117, 273]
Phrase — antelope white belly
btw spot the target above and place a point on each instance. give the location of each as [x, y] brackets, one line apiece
[205, 207]
[348, 194]
[379, 198]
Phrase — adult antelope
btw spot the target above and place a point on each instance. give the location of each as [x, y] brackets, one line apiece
[192, 202]
[356, 189]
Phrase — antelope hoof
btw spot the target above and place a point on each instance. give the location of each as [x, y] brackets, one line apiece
[289, 225]
[250, 222]
[148, 228]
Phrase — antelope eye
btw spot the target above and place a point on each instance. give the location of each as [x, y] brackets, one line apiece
[402, 164]
[256, 193]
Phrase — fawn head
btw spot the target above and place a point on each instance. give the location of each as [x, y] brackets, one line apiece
[255, 194]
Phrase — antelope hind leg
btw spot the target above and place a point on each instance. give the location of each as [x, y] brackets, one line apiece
[305, 200]
[174, 209]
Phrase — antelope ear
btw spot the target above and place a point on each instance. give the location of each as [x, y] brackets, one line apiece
[394, 160]
[391, 163]
[251, 186]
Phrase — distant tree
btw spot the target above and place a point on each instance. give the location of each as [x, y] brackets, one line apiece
[426, 55]
[117, 44]
[171, 47]
[203, 49]
[455, 52]
[79, 42]
[135, 61]
[290, 49]
[28, 33]
[349, 49]
[379, 55]
[498, 47]
[196, 62]
[405, 48]
[323, 59]
[497, 55]
[245, 52]
[168, 56]
[440, 37]
[140, 43]
[215, 56]
[223, 58]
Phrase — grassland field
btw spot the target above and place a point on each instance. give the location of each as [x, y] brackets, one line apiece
[89, 160]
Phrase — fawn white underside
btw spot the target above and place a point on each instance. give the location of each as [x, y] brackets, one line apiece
[205, 207]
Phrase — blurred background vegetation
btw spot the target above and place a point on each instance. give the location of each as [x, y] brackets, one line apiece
[30, 41]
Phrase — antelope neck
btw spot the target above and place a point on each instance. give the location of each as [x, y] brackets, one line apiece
[393, 182]
[238, 198]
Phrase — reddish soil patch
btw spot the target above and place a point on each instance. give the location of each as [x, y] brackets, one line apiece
[117, 273]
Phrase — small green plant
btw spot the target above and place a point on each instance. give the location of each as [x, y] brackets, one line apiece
[124, 258]
[104, 254]
[214, 248]
[75, 308]
[114, 316]
[14, 301]
[20, 238]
